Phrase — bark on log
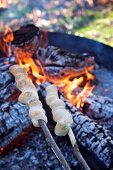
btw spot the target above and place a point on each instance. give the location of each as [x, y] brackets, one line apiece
[89, 134]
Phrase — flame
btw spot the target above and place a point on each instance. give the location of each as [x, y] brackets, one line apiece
[75, 85]
[8, 35]
[71, 86]
[5, 41]
[35, 72]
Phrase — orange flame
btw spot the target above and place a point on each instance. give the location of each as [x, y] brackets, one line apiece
[35, 71]
[5, 40]
[71, 86]
[8, 35]
[67, 84]
[76, 86]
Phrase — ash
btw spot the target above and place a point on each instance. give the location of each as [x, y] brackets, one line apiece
[33, 152]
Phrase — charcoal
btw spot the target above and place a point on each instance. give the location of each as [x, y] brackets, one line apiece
[25, 34]
[60, 57]
[8, 92]
[33, 152]
[5, 79]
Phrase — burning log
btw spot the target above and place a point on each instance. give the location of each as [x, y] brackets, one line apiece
[60, 62]
[93, 137]
[29, 39]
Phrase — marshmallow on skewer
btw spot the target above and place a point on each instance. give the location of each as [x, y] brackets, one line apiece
[29, 94]
[60, 114]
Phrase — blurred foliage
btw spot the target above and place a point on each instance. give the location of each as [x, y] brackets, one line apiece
[71, 16]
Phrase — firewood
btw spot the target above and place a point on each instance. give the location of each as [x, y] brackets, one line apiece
[89, 134]
[13, 120]
[51, 56]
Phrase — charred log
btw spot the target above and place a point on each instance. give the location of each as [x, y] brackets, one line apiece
[99, 108]
[25, 34]
[13, 115]
[13, 120]
[89, 134]
[59, 61]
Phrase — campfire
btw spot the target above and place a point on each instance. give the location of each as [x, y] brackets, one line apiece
[74, 76]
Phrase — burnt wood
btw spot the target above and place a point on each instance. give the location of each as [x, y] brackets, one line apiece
[60, 62]
[100, 109]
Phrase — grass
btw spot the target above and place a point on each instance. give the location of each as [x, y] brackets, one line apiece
[101, 26]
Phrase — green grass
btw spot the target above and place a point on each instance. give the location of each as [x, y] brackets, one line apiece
[100, 28]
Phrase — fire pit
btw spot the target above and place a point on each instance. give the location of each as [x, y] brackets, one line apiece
[83, 74]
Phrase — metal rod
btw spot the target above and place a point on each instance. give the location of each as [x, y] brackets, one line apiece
[81, 160]
[53, 145]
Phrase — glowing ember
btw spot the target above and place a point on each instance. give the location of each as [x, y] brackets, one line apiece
[1, 150]
[76, 86]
